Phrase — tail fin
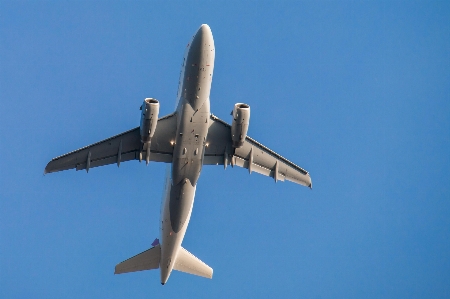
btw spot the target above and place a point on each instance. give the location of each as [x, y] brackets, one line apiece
[187, 262]
[146, 260]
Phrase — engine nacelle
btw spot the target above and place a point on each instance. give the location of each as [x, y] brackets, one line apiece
[239, 126]
[149, 118]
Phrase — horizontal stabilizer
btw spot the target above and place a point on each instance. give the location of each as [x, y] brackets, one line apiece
[187, 262]
[146, 260]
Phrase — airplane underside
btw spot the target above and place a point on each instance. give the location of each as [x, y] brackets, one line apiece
[187, 139]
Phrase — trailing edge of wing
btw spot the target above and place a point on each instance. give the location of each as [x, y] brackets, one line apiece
[252, 155]
[123, 147]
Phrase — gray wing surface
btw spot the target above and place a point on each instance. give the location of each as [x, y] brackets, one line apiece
[120, 148]
[252, 155]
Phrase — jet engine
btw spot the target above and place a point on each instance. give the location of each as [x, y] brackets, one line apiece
[149, 119]
[239, 126]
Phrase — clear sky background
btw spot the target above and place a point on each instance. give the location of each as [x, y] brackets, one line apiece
[357, 93]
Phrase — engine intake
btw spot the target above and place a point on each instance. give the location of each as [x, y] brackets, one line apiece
[149, 119]
[239, 126]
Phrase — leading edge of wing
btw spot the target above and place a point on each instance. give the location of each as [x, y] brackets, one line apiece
[73, 159]
[251, 140]
[93, 144]
[128, 151]
[107, 139]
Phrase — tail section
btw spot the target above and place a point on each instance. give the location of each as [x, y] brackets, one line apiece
[187, 262]
[150, 259]
[146, 260]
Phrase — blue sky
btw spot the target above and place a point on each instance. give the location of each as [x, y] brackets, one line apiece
[357, 93]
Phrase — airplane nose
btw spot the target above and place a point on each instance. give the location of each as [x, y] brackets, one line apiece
[199, 67]
[202, 36]
[201, 44]
[204, 30]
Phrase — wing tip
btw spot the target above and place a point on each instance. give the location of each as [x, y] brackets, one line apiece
[50, 167]
[310, 181]
[49, 170]
[46, 169]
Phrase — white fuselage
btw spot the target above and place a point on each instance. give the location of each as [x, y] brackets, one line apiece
[193, 112]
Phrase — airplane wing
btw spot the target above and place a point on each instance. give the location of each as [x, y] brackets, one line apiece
[252, 155]
[120, 148]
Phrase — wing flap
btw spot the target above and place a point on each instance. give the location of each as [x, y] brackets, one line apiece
[266, 161]
[109, 160]
[255, 167]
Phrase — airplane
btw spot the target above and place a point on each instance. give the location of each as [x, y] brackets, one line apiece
[187, 139]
